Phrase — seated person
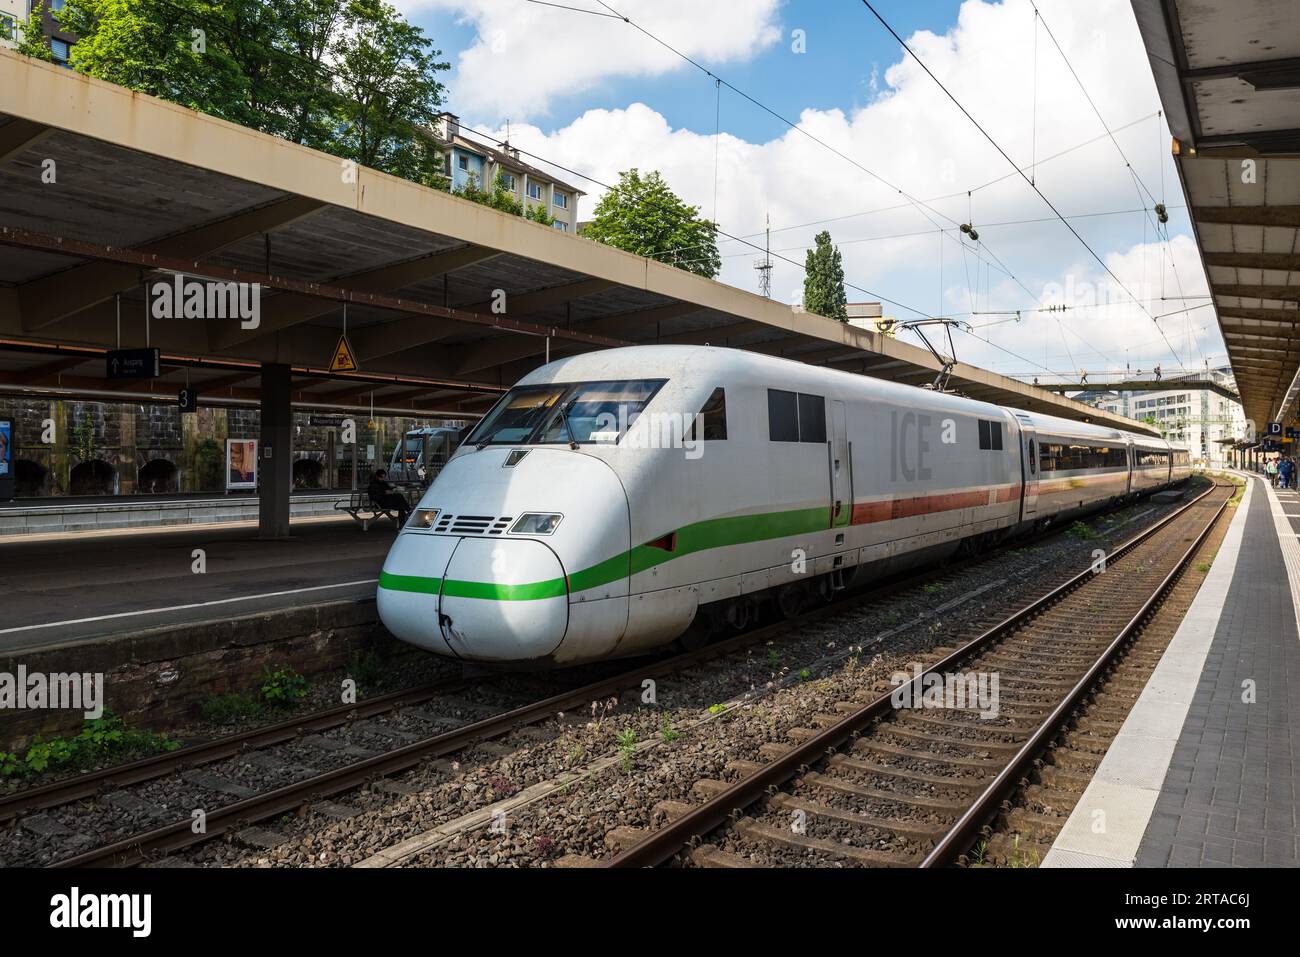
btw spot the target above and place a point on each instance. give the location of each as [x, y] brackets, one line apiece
[385, 497]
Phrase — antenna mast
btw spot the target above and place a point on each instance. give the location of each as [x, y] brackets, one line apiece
[764, 265]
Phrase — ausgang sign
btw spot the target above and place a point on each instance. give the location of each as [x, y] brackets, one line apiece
[132, 364]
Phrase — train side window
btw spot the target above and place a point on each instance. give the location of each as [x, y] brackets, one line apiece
[812, 418]
[995, 436]
[782, 416]
[984, 434]
[713, 418]
[1033, 457]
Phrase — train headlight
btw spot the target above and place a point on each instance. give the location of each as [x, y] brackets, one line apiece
[536, 523]
[422, 518]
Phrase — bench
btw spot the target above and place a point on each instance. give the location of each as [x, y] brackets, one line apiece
[361, 508]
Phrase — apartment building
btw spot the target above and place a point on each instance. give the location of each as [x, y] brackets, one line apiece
[469, 159]
[14, 13]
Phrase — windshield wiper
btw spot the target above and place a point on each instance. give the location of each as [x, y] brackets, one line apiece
[564, 417]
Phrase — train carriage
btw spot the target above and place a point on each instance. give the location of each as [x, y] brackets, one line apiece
[611, 500]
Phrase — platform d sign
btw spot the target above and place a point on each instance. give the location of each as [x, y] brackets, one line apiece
[344, 358]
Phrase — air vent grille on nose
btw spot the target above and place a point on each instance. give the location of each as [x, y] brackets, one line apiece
[473, 524]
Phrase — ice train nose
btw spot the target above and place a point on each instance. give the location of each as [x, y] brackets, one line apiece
[504, 600]
[481, 599]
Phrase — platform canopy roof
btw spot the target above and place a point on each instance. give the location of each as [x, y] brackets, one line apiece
[103, 190]
[1229, 80]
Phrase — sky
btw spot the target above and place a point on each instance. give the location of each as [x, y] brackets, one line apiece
[826, 122]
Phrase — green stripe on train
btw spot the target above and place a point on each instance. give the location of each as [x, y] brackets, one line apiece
[699, 537]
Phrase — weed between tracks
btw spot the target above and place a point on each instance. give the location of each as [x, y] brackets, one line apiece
[102, 740]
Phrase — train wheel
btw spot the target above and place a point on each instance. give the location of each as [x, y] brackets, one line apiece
[790, 599]
[740, 613]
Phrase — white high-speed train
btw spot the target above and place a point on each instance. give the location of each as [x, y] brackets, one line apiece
[612, 499]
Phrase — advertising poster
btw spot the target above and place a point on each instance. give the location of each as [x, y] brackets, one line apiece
[6, 448]
[241, 464]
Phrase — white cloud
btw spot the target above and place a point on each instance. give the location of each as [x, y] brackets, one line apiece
[526, 54]
[916, 139]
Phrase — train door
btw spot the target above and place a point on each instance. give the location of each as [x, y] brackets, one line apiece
[1028, 467]
[841, 468]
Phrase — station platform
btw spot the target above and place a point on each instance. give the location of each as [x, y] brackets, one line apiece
[1204, 771]
[43, 516]
[79, 586]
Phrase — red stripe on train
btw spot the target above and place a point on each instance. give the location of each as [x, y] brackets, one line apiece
[868, 512]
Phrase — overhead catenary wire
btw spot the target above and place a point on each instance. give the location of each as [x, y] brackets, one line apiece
[1032, 185]
[1138, 182]
[921, 206]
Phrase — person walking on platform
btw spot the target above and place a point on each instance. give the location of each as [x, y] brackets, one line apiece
[1286, 472]
[1270, 469]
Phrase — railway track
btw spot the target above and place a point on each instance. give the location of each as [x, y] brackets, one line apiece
[877, 784]
[405, 752]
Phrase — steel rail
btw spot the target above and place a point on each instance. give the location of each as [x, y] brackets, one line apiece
[662, 844]
[964, 832]
[95, 782]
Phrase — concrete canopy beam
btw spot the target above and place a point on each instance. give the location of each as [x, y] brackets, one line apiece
[43, 302]
[287, 309]
[1288, 216]
[1245, 291]
[502, 349]
[18, 136]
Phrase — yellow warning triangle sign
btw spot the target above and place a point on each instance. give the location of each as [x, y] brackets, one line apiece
[343, 360]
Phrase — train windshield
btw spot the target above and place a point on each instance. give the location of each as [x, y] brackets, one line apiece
[597, 412]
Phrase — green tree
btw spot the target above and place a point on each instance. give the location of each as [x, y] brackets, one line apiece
[498, 197]
[349, 77]
[643, 216]
[31, 39]
[151, 46]
[538, 214]
[823, 284]
[386, 71]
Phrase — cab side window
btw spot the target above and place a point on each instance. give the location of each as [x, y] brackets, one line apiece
[712, 418]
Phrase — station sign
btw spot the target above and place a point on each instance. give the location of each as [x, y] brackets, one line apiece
[132, 364]
[187, 400]
[1273, 428]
